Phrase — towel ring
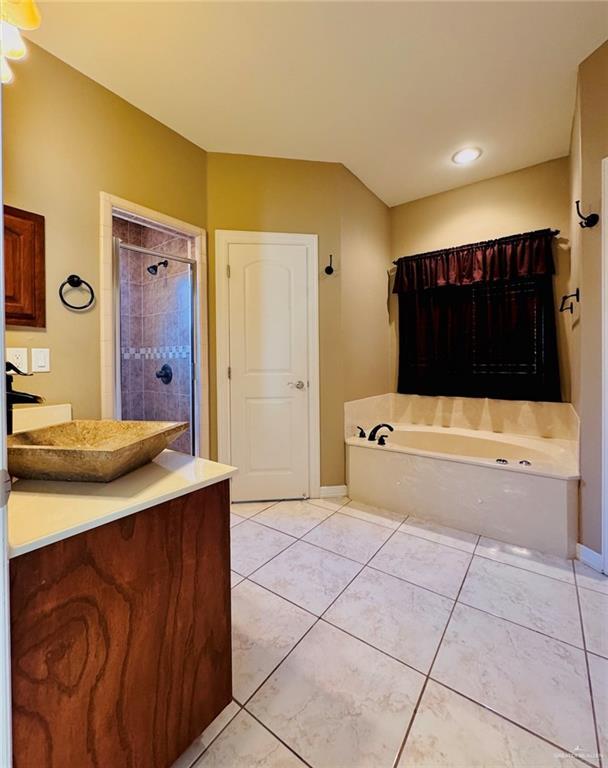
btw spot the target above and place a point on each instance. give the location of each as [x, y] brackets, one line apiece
[74, 281]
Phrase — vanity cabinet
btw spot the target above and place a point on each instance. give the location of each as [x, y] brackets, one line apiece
[24, 268]
[121, 651]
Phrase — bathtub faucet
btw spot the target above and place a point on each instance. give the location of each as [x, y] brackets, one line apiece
[376, 429]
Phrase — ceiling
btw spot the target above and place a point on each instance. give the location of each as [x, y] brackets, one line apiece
[391, 90]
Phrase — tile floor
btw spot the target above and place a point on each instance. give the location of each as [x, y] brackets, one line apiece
[362, 640]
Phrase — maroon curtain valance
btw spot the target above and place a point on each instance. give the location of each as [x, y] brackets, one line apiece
[507, 258]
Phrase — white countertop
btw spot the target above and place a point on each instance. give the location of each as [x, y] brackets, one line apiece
[41, 512]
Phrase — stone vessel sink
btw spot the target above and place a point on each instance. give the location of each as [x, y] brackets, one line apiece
[89, 451]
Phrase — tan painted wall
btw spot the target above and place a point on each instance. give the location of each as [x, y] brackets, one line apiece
[276, 195]
[365, 258]
[66, 139]
[532, 198]
[589, 147]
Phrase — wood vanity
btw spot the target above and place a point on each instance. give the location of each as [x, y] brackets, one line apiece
[120, 623]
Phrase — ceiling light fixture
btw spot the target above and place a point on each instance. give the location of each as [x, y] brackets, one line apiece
[466, 155]
[11, 42]
[14, 15]
[6, 73]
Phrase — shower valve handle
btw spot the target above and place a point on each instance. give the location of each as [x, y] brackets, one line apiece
[165, 374]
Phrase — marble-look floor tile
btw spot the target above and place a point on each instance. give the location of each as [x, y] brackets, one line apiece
[423, 562]
[589, 578]
[245, 744]
[450, 731]
[400, 619]
[538, 602]
[530, 559]
[308, 576]
[333, 503]
[198, 746]
[537, 682]
[235, 520]
[252, 545]
[598, 671]
[451, 537]
[293, 517]
[594, 607]
[249, 508]
[373, 514]
[235, 578]
[337, 702]
[349, 536]
[264, 629]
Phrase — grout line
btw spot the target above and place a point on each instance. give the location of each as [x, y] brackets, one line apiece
[218, 734]
[523, 626]
[343, 510]
[284, 743]
[373, 647]
[432, 541]
[338, 554]
[330, 513]
[321, 506]
[512, 722]
[314, 624]
[593, 713]
[276, 594]
[523, 568]
[413, 583]
[428, 674]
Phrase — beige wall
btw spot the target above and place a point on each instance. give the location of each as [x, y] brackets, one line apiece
[533, 198]
[276, 195]
[66, 139]
[365, 258]
[589, 147]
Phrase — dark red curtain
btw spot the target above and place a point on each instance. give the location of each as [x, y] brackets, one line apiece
[479, 320]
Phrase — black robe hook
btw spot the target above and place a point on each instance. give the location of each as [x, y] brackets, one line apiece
[586, 222]
[329, 270]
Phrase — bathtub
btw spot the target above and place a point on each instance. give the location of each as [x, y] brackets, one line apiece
[472, 479]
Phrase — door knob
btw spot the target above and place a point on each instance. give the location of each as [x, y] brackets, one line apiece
[296, 384]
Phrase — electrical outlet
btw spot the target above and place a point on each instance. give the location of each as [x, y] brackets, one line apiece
[18, 357]
[41, 360]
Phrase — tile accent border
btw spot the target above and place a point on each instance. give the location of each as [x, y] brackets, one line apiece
[155, 353]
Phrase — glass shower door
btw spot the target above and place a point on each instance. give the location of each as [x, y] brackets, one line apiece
[156, 329]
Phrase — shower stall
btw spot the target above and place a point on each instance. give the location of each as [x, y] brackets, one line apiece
[155, 284]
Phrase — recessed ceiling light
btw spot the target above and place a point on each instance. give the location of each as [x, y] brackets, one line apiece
[466, 155]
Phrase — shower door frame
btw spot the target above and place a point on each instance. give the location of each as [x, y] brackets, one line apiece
[117, 244]
[111, 205]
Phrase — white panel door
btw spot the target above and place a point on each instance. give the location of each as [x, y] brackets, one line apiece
[269, 393]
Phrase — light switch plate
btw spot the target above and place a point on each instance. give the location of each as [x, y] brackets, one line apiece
[18, 357]
[41, 360]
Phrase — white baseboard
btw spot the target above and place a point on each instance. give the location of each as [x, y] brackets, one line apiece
[590, 557]
[332, 490]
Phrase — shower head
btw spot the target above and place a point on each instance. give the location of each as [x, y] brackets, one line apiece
[153, 268]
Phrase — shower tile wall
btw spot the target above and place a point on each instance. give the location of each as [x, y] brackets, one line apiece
[155, 329]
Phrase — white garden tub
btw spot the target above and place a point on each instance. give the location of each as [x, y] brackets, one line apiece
[472, 479]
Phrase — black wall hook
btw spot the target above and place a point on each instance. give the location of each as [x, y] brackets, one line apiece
[563, 307]
[329, 270]
[586, 222]
[74, 281]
